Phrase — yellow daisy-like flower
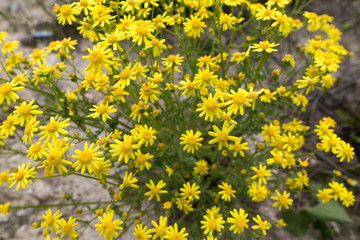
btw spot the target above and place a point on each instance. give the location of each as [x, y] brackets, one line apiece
[237, 101]
[7, 92]
[22, 176]
[173, 233]
[282, 200]
[53, 129]
[264, 46]
[50, 221]
[190, 192]
[67, 227]
[108, 227]
[344, 151]
[261, 173]
[141, 160]
[113, 40]
[171, 61]
[86, 158]
[159, 228]
[9, 47]
[193, 27]
[103, 110]
[262, 225]
[140, 232]
[8, 126]
[29, 130]
[145, 135]
[222, 136]
[99, 57]
[212, 223]
[155, 190]
[67, 13]
[4, 208]
[238, 147]
[129, 181]
[191, 141]
[141, 31]
[36, 151]
[238, 220]
[124, 149]
[210, 107]
[205, 77]
[26, 111]
[54, 159]
[227, 192]
[307, 82]
[201, 167]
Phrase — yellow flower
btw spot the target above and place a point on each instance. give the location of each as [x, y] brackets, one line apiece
[227, 192]
[265, 13]
[205, 77]
[172, 233]
[141, 160]
[148, 92]
[36, 151]
[212, 223]
[265, 46]
[129, 181]
[141, 31]
[268, 96]
[67, 227]
[7, 92]
[159, 228]
[67, 13]
[26, 112]
[140, 232]
[261, 173]
[113, 40]
[125, 76]
[347, 198]
[222, 136]
[10, 46]
[257, 192]
[8, 126]
[124, 149]
[238, 220]
[344, 151]
[86, 159]
[262, 225]
[282, 200]
[156, 45]
[237, 101]
[101, 167]
[53, 129]
[4, 208]
[307, 82]
[299, 99]
[98, 57]
[145, 135]
[22, 176]
[103, 110]
[155, 190]
[50, 220]
[193, 27]
[171, 61]
[325, 195]
[201, 167]
[108, 227]
[5, 177]
[191, 141]
[210, 107]
[190, 192]
[29, 130]
[54, 158]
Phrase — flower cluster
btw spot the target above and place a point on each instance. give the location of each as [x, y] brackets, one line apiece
[165, 112]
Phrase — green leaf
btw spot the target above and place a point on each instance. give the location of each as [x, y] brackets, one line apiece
[331, 211]
[296, 223]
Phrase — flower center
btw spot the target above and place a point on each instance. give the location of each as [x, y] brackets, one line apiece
[96, 57]
[65, 10]
[171, 58]
[108, 227]
[24, 110]
[142, 31]
[102, 109]
[52, 127]
[6, 89]
[126, 147]
[125, 74]
[191, 140]
[160, 230]
[264, 45]
[240, 222]
[211, 105]
[85, 157]
[50, 221]
[146, 135]
[212, 224]
[111, 39]
[54, 159]
[19, 176]
[239, 99]
[222, 137]
[195, 24]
